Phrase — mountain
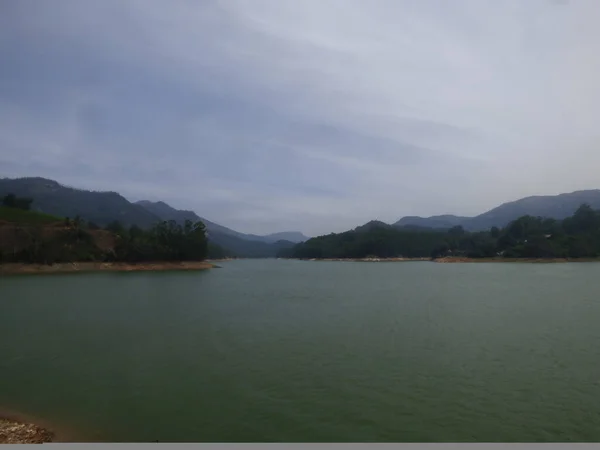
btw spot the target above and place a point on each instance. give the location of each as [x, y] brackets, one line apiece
[166, 212]
[444, 221]
[290, 236]
[550, 206]
[248, 248]
[240, 244]
[372, 225]
[50, 197]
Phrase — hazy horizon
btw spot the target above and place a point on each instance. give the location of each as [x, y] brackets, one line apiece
[314, 116]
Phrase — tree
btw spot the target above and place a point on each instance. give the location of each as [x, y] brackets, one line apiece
[12, 201]
[115, 226]
[584, 220]
[495, 232]
[457, 231]
[135, 232]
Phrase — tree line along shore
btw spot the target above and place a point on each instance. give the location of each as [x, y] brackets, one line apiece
[453, 259]
[528, 238]
[32, 241]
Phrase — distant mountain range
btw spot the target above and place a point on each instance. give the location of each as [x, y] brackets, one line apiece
[551, 206]
[101, 208]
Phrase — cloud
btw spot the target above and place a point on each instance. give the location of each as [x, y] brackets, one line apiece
[319, 115]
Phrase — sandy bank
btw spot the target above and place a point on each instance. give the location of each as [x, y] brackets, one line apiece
[17, 268]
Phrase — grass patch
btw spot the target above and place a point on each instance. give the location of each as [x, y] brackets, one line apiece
[20, 216]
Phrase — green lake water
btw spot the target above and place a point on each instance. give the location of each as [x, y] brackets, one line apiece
[308, 351]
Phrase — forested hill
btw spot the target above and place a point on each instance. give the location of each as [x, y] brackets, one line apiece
[550, 206]
[437, 222]
[577, 236]
[34, 237]
[104, 208]
[99, 208]
[31, 237]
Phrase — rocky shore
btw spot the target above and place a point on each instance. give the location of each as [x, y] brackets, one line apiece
[14, 432]
[19, 268]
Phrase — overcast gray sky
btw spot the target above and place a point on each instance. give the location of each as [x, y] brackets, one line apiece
[310, 115]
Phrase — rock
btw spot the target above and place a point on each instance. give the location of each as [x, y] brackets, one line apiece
[23, 433]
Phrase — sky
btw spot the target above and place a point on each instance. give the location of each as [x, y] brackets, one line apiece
[312, 115]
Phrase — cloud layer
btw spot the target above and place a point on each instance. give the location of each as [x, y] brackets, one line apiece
[320, 115]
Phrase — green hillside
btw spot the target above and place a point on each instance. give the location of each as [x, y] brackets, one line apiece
[104, 208]
[19, 216]
[101, 208]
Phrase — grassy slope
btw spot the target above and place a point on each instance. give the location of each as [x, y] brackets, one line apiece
[20, 216]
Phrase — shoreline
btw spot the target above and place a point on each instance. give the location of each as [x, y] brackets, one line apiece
[362, 259]
[457, 260]
[78, 267]
[461, 259]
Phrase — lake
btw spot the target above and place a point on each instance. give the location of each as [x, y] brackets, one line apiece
[273, 350]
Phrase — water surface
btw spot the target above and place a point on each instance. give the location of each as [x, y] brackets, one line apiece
[309, 351]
